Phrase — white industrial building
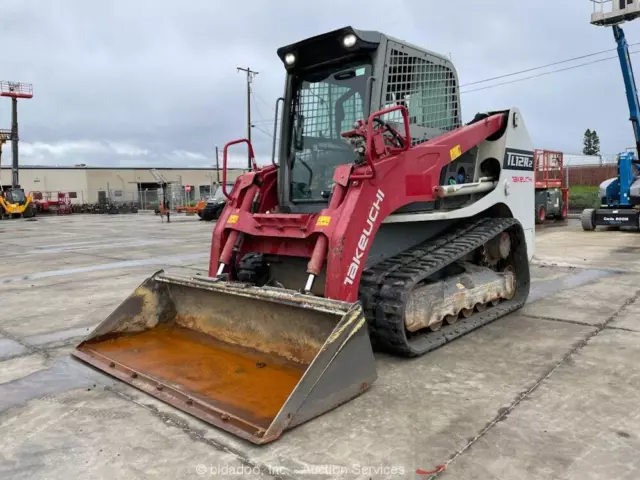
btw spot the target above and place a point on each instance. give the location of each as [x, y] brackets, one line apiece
[117, 185]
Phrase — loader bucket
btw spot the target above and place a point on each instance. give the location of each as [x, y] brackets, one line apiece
[254, 361]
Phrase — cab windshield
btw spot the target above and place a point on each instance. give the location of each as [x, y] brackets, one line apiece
[15, 196]
[326, 104]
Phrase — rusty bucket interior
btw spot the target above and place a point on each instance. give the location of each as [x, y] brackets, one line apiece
[253, 361]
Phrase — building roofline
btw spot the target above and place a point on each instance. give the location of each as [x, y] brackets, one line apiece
[65, 167]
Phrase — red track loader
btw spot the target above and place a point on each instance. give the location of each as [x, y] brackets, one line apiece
[384, 224]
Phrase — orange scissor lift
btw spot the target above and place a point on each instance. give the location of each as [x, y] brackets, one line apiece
[552, 192]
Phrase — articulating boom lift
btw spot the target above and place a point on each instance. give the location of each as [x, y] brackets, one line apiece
[13, 201]
[386, 224]
[620, 196]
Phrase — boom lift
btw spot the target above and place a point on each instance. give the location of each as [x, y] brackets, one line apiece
[385, 224]
[620, 196]
[13, 201]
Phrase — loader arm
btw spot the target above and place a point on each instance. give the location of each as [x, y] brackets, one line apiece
[340, 234]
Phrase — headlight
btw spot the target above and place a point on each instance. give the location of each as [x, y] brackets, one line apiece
[289, 58]
[349, 40]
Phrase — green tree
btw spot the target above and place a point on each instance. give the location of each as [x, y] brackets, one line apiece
[588, 143]
[595, 143]
[591, 143]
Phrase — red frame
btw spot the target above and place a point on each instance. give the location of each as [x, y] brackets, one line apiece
[61, 202]
[224, 162]
[546, 174]
[363, 196]
[25, 90]
[550, 176]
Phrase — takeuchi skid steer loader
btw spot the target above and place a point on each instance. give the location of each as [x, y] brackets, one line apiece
[386, 224]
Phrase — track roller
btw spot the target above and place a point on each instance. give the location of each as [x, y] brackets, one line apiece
[446, 287]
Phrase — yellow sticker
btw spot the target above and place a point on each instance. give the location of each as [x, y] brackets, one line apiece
[233, 219]
[323, 221]
[455, 152]
[460, 286]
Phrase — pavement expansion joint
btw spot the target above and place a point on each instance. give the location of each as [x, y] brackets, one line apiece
[609, 327]
[503, 412]
[543, 263]
[31, 349]
[562, 320]
[182, 425]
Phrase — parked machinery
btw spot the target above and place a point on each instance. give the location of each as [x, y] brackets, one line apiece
[353, 241]
[191, 209]
[52, 202]
[215, 205]
[13, 201]
[15, 204]
[552, 198]
[620, 196]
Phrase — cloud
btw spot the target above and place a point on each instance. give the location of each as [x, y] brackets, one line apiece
[64, 149]
[105, 153]
[133, 83]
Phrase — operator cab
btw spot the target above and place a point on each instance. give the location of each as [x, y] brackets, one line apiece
[14, 196]
[338, 78]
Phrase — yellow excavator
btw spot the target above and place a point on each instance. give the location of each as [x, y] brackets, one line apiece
[13, 201]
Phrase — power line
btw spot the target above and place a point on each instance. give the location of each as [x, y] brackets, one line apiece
[261, 130]
[543, 74]
[263, 101]
[261, 119]
[544, 66]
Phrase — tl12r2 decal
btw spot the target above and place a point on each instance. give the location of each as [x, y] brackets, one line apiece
[515, 159]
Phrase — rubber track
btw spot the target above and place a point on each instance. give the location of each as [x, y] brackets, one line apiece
[385, 288]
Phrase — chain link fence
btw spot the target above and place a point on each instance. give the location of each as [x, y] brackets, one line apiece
[143, 199]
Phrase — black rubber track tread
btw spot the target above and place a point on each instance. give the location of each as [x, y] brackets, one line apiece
[384, 288]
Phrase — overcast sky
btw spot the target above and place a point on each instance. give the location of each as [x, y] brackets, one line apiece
[155, 83]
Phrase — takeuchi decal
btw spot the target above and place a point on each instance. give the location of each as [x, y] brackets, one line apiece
[521, 179]
[355, 265]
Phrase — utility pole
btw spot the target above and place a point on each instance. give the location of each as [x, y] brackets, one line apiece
[250, 75]
[217, 167]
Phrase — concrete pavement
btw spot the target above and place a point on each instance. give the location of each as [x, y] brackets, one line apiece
[550, 391]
